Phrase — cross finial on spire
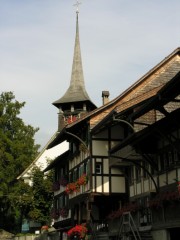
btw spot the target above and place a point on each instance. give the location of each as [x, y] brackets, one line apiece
[77, 6]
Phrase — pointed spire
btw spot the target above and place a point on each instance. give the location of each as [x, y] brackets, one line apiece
[77, 77]
[76, 91]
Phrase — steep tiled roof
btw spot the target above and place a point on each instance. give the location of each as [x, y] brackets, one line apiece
[145, 87]
[152, 81]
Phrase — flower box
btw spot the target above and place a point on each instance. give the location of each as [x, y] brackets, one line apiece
[75, 186]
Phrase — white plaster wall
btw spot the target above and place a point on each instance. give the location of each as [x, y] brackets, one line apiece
[178, 173]
[106, 166]
[47, 155]
[106, 184]
[152, 187]
[116, 171]
[75, 161]
[161, 235]
[131, 191]
[146, 185]
[138, 188]
[118, 184]
[43, 160]
[162, 180]
[100, 148]
[99, 184]
[171, 176]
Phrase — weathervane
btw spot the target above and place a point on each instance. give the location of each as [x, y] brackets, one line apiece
[77, 6]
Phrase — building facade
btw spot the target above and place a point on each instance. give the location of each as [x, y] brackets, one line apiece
[122, 165]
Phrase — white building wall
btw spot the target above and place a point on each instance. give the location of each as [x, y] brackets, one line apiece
[118, 184]
[106, 184]
[100, 148]
[43, 160]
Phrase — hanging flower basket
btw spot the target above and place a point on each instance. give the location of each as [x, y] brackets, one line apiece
[54, 214]
[45, 228]
[130, 207]
[63, 181]
[56, 186]
[164, 198]
[64, 212]
[77, 232]
[155, 203]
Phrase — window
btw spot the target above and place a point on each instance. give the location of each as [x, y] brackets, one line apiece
[152, 171]
[87, 167]
[61, 171]
[167, 159]
[61, 202]
[65, 200]
[73, 147]
[138, 173]
[56, 203]
[75, 175]
[70, 177]
[176, 156]
[145, 165]
[145, 212]
[56, 175]
[81, 169]
[98, 168]
[162, 165]
[131, 175]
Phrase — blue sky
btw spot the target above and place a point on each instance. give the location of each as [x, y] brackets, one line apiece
[120, 41]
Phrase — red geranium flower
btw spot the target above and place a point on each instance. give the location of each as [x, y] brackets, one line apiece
[79, 231]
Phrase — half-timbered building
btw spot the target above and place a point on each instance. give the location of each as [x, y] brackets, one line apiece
[148, 154]
[116, 159]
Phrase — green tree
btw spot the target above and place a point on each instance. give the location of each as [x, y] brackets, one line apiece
[42, 196]
[17, 150]
[21, 200]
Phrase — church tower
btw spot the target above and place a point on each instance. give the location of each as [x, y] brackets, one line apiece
[75, 102]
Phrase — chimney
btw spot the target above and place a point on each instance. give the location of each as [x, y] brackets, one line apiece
[105, 97]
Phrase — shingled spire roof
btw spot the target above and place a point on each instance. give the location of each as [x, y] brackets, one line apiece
[76, 92]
